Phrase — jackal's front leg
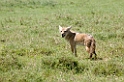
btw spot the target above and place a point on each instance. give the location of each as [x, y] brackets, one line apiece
[73, 49]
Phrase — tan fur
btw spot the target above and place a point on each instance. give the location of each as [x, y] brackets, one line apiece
[79, 39]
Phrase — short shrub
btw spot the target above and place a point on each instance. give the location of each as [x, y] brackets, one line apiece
[63, 63]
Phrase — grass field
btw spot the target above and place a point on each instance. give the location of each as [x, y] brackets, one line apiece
[32, 50]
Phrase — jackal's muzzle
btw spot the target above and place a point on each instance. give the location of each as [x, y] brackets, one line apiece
[63, 35]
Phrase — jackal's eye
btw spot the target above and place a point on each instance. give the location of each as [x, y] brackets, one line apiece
[61, 31]
[65, 31]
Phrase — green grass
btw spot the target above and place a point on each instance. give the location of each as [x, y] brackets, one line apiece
[32, 50]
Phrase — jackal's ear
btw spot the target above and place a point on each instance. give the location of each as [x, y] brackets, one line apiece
[60, 28]
[69, 27]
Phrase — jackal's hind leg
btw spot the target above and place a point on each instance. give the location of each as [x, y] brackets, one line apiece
[87, 49]
[91, 55]
[95, 55]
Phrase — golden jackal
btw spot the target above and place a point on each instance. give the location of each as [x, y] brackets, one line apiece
[79, 39]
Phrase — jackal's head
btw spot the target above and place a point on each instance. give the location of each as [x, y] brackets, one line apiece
[64, 31]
